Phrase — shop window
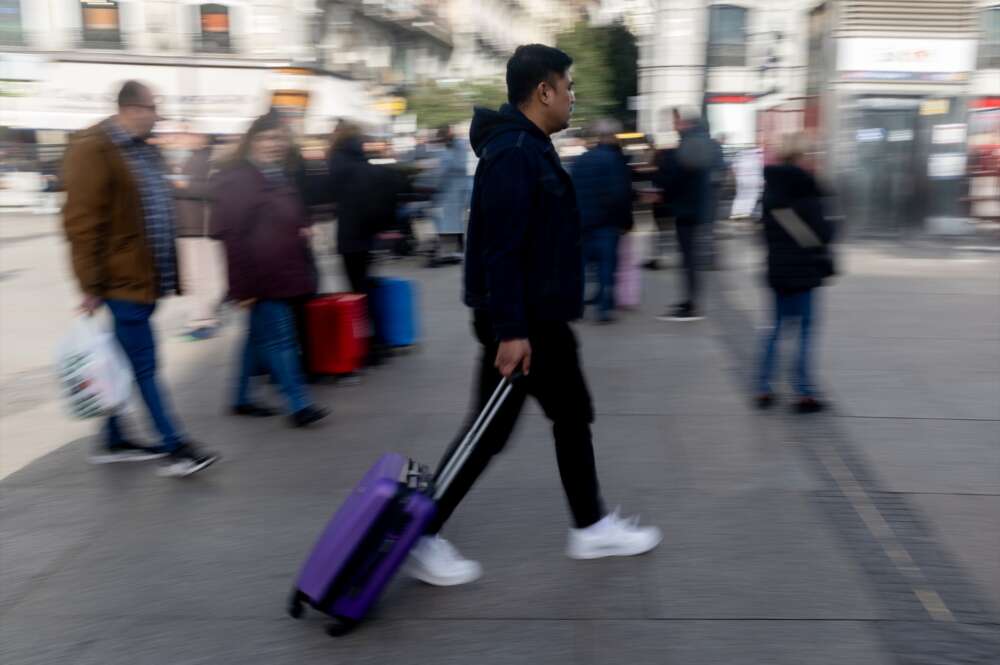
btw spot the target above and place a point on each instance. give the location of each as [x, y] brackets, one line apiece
[727, 36]
[101, 21]
[214, 35]
[989, 44]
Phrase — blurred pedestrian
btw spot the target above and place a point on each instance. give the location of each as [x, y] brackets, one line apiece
[451, 200]
[799, 259]
[687, 178]
[524, 283]
[119, 219]
[201, 257]
[259, 216]
[603, 183]
[367, 198]
[309, 180]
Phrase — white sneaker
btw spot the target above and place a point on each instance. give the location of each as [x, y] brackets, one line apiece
[612, 536]
[436, 561]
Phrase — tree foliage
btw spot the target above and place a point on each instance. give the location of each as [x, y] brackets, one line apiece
[436, 105]
[605, 69]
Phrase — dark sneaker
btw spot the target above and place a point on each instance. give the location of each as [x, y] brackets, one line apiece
[682, 313]
[809, 405]
[126, 452]
[254, 411]
[185, 461]
[308, 416]
[764, 401]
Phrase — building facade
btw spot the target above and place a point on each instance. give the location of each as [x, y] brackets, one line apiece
[213, 65]
[900, 94]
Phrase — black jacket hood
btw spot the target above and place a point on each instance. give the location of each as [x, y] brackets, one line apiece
[488, 124]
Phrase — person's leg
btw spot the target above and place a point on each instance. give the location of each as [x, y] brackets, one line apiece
[274, 337]
[804, 384]
[606, 271]
[495, 436]
[685, 241]
[299, 316]
[769, 349]
[248, 364]
[132, 329]
[591, 255]
[355, 265]
[557, 382]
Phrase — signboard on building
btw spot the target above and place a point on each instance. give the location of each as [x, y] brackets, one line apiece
[881, 59]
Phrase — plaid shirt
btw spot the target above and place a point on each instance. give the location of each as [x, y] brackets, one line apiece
[157, 198]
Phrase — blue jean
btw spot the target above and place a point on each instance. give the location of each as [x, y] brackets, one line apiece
[786, 307]
[600, 247]
[135, 335]
[272, 342]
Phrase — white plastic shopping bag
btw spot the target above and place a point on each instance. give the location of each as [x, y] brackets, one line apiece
[93, 371]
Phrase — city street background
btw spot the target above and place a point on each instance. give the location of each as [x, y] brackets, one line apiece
[772, 551]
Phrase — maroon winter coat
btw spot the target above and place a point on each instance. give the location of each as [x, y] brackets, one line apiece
[260, 223]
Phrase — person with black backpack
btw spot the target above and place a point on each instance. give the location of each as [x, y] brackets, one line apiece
[798, 237]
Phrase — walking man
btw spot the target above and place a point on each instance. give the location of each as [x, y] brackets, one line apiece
[603, 184]
[685, 176]
[524, 283]
[119, 220]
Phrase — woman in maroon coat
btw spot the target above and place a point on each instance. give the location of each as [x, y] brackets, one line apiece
[259, 216]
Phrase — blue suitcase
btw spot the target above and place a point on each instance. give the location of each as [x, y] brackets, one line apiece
[394, 309]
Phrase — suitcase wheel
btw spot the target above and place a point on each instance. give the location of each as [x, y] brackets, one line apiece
[341, 626]
[296, 608]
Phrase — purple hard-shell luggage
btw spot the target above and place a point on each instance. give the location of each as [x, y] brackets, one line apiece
[375, 528]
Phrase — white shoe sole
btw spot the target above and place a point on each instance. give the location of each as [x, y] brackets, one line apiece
[121, 459]
[680, 318]
[179, 471]
[434, 580]
[601, 553]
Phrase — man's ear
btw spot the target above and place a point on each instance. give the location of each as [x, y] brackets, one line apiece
[544, 92]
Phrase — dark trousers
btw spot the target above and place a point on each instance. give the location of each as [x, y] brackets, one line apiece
[271, 341]
[600, 252]
[687, 239]
[299, 314]
[557, 382]
[357, 266]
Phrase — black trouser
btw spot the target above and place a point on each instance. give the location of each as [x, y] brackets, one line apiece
[356, 265]
[557, 382]
[299, 313]
[687, 238]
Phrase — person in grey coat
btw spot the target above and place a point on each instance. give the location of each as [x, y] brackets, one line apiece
[454, 189]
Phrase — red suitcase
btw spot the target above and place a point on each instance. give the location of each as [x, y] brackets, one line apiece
[338, 333]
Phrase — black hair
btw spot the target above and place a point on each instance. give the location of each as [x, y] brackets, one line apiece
[530, 65]
[132, 93]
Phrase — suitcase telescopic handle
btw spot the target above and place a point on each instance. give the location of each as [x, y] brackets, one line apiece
[475, 433]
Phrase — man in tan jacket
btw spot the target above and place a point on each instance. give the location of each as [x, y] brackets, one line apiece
[119, 220]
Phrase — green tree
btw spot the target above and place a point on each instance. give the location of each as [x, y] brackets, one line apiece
[436, 105]
[605, 66]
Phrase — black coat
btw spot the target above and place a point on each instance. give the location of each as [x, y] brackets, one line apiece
[603, 184]
[688, 176]
[366, 196]
[797, 260]
[524, 261]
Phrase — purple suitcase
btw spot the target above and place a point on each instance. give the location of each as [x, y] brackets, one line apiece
[371, 535]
